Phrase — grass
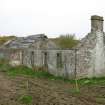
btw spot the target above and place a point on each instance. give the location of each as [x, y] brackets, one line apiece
[26, 99]
[100, 100]
[4, 67]
[25, 71]
[92, 81]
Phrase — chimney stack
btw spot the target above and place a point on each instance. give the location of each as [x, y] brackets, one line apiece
[96, 23]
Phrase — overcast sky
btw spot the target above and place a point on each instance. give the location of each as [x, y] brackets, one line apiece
[52, 17]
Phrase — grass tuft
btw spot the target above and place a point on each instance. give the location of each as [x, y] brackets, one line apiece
[27, 99]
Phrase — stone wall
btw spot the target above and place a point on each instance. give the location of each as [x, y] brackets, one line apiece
[57, 62]
[87, 59]
[91, 51]
[62, 63]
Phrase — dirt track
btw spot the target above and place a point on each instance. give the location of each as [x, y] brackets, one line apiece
[46, 92]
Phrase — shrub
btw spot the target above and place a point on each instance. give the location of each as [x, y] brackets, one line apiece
[67, 41]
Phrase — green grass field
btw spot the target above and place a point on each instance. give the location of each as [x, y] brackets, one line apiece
[25, 71]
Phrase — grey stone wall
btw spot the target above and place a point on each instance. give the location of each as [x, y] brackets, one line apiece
[65, 67]
[62, 65]
[87, 59]
[91, 52]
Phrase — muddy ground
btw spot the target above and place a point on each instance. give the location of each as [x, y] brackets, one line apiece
[47, 92]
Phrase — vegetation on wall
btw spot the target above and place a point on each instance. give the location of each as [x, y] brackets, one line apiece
[4, 39]
[66, 41]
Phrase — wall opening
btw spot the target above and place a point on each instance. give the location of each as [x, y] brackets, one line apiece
[45, 59]
[32, 58]
[59, 60]
[22, 55]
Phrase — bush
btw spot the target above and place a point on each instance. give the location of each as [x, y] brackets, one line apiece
[67, 41]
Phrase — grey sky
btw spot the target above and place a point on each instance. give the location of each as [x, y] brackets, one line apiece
[52, 17]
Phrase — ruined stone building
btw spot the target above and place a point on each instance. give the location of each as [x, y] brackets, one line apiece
[87, 59]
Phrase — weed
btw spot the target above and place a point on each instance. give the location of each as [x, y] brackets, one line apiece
[92, 81]
[100, 100]
[25, 99]
[74, 91]
[4, 67]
